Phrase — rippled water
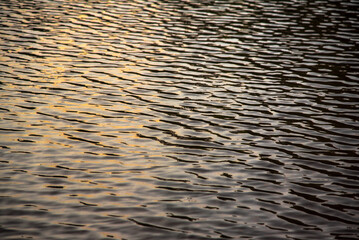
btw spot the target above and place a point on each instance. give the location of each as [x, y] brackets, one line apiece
[168, 119]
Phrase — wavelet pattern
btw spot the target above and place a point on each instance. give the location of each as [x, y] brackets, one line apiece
[166, 119]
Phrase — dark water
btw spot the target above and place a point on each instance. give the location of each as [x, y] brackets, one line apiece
[168, 119]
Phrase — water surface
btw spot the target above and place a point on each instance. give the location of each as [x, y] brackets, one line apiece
[167, 119]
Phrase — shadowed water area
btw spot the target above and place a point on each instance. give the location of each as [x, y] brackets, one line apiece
[168, 119]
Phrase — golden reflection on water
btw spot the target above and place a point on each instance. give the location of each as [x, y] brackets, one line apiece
[108, 139]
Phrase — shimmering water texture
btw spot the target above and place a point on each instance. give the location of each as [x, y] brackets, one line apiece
[179, 119]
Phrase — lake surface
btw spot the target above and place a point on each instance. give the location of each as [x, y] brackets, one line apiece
[168, 119]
